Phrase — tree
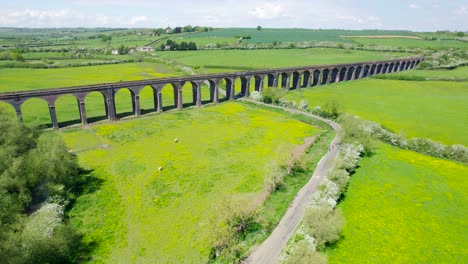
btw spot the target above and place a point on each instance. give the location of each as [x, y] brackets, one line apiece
[15, 55]
[323, 224]
[461, 34]
[183, 46]
[259, 27]
[34, 168]
[192, 46]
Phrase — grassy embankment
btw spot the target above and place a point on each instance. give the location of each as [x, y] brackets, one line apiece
[404, 207]
[206, 61]
[436, 110]
[36, 111]
[410, 43]
[134, 212]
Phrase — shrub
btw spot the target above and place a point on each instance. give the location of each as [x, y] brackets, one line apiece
[304, 105]
[326, 195]
[324, 224]
[341, 178]
[272, 95]
[302, 253]
[256, 96]
[349, 156]
[332, 109]
[238, 221]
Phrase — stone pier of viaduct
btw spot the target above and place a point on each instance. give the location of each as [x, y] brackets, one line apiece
[285, 78]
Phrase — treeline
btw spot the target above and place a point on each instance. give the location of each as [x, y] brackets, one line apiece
[38, 177]
[172, 45]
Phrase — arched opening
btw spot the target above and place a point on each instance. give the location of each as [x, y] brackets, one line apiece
[325, 76]
[148, 100]
[343, 74]
[295, 81]
[272, 80]
[379, 69]
[285, 81]
[168, 97]
[36, 113]
[316, 78]
[350, 73]
[7, 109]
[366, 71]
[402, 66]
[96, 109]
[391, 67]
[68, 111]
[306, 79]
[373, 70]
[213, 91]
[123, 103]
[412, 64]
[397, 67]
[225, 86]
[188, 94]
[335, 72]
[408, 64]
[257, 83]
[357, 75]
[385, 68]
[238, 89]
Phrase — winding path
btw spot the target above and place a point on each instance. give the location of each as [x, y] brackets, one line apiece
[269, 251]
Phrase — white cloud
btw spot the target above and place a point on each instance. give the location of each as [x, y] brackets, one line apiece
[414, 6]
[267, 11]
[67, 18]
[138, 20]
[461, 11]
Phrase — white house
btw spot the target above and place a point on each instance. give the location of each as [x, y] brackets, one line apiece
[145, 49]
[115, 52]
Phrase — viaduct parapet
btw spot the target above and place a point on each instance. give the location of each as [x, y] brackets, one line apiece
[285, 78]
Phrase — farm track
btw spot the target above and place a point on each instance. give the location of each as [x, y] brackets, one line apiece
[269, 251]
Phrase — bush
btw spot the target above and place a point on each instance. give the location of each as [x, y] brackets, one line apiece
[303, 105]
[326, 195]
[341, 178]
[349, 156]
[256, 96]
[239, 220]
[324, 224]
[332, 109]
[272, 95]
[302, 253]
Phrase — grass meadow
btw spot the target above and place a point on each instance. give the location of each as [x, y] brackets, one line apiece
[404, 207]
[269, 35]
[436, 110]
[207, 61]
[460, 73]
[132, 212]
[35, 111]
[410, 43]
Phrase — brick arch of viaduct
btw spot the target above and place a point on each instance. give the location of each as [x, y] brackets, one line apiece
[291, 78]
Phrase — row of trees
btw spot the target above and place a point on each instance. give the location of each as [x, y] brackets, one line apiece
[37, 179]
[179, 46]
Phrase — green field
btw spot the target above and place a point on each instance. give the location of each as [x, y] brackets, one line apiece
[135, 213]
[410, 43]
[460, 73]
[36, 111]
[238, 60]
[436, 110]
[269, 35]
[404, 207]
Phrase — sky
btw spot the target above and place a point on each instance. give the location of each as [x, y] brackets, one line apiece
[415, 15]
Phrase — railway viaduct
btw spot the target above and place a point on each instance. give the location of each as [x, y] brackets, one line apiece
[285, 78]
